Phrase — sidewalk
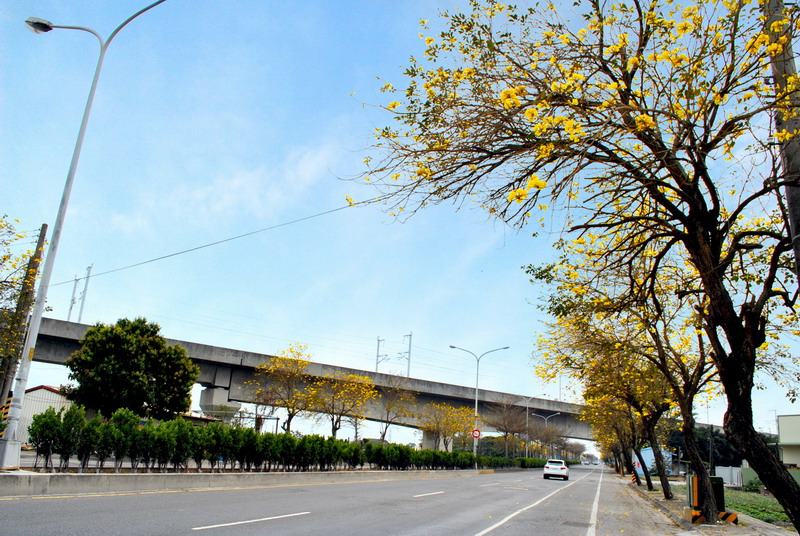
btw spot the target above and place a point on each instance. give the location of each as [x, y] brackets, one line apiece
[674, 509]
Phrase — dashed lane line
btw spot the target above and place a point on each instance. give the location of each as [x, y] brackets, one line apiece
[221, 525]
[428, 494]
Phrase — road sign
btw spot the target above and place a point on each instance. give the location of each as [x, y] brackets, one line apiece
[476, 434]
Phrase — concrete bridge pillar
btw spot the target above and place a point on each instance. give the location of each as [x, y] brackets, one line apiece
[429, 441]
[211, 398]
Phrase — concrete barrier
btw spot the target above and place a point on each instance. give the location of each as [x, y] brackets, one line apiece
[30, 484]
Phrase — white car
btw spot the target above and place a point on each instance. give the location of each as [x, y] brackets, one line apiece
[556, 468]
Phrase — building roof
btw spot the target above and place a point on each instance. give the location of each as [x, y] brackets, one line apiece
[45, 387]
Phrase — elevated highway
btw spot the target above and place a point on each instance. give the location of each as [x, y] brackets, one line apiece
[224, 374]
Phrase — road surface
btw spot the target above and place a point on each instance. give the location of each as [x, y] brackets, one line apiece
[593, 502]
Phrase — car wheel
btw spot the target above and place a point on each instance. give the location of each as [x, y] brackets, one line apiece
[566, 478]
[546, 477]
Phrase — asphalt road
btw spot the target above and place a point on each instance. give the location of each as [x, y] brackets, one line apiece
[593, 502]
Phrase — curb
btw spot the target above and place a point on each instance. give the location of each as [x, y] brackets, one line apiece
[747, 525]
[19, 484]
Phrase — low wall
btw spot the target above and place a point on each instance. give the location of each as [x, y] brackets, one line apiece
[27, 484]
[748, 474]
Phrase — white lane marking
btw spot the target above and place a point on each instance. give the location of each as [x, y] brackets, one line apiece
[429, 494]
[250, 521]
[518, 512]
[487, 485]
[593, 518]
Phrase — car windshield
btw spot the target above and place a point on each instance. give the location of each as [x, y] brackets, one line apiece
[555, 462]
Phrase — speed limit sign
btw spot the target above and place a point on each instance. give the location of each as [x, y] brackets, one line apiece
[476, 433]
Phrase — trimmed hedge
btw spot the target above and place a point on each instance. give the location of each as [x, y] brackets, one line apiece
[173, 445]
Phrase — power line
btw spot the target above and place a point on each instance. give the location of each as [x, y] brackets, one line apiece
[170, 255]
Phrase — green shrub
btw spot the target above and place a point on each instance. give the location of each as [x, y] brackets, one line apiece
[87, 441]
[753, 485]
[124, 424]
[72, 422]
[43, 434]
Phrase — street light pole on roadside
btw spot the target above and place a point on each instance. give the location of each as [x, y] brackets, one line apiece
[10, 444]
[546, 419]
[527, 426]
[477, 371]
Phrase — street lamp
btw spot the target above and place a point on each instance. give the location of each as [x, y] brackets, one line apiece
[10, 444]
[477, 370]
[546, 420]
[527, 427]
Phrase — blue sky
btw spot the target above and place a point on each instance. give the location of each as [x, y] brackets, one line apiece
[213, 119]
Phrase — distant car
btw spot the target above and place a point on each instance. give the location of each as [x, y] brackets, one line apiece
[556, 468]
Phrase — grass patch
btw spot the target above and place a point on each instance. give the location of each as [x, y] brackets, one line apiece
[754, 505]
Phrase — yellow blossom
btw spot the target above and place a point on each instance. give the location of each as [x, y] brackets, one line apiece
[518, 195]
[644, 122]
[535, 183]
[424, 172]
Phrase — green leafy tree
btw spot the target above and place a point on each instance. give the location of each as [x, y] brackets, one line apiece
[268, 450]
[183, 433]
[147, 445]
[219, 438]
[43, 434]
[87, 441]
[105, 444]
[130, 365]
[165, 442]
[125, 424]
[200, 446]
[73, 421]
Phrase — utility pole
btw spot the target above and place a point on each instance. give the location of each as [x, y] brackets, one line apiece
[83, 294]
[407, 354]
[378, 356]
[72, 300]
[783, 68]
[24, 304]
[85, 289]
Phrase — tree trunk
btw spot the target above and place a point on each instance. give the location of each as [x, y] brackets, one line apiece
[628, 463]
[738, 426]
[708, 504]
[645, 470]
[659, 459]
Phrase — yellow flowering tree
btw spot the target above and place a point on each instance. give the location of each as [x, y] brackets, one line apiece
[282, 381]
[650, 124]
[396, 403]
[651, 358]
[13, 312]
[446, 422]
[342, 396]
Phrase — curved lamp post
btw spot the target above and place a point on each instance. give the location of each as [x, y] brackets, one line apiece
[527, 427]
[546, 420]
[10, 444]
[477, 370]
